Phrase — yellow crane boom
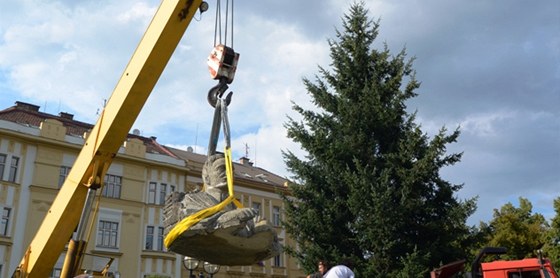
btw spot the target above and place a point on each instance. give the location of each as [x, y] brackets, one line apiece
[129, 96]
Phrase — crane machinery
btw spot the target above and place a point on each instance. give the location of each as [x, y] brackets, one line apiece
[73, 204]
[539, 267]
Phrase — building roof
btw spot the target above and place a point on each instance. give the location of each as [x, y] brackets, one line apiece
[243, 169]
[29, 115]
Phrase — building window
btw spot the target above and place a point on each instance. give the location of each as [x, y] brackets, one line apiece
[64, 171]
[112, 188]
[56, 273]
[276, 216]
[152, 193]
[157, 193]
[150, 238]
[257, 207]
[2, 165]
[13, 169]
[107, 234]
[162, 193]
[160, 239]
[277, 261]
[5, 222]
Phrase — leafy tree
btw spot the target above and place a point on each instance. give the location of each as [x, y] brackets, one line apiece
[517, 229]
[369, 188]
[413, 266]
[552, 239]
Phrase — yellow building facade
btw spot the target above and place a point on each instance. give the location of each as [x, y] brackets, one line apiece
[37, 151]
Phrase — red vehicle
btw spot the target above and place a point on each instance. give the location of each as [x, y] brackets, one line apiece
[525, 268]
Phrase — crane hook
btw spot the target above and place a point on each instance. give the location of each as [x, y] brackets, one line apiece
[218, 91]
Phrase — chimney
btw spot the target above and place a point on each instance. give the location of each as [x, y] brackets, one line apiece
[27, 106]
[66, 116]
[245, 161]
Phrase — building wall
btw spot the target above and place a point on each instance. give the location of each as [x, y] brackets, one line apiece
[136, 216]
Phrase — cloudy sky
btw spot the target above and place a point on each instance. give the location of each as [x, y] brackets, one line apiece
[491, 68]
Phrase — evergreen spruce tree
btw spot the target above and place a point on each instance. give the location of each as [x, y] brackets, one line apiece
[369, 188]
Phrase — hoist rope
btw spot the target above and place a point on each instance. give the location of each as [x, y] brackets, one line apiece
[218, 23]
[231, 23]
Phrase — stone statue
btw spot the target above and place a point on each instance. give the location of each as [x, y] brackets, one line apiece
[233, 236]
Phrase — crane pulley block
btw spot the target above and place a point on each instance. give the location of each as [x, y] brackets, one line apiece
[222, 63]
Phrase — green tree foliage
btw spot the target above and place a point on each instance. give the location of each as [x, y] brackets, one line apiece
[517, 229]
[369, 188]
[413, 266]
[552, 239]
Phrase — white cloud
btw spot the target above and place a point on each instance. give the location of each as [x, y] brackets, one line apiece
[485, 125]
[139, 11]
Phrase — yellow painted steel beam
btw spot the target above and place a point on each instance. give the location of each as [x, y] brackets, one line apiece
[128, 98]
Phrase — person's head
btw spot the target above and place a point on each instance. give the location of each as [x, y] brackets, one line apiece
[323, 266]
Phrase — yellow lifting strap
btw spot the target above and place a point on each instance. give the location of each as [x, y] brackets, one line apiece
[194, 218]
